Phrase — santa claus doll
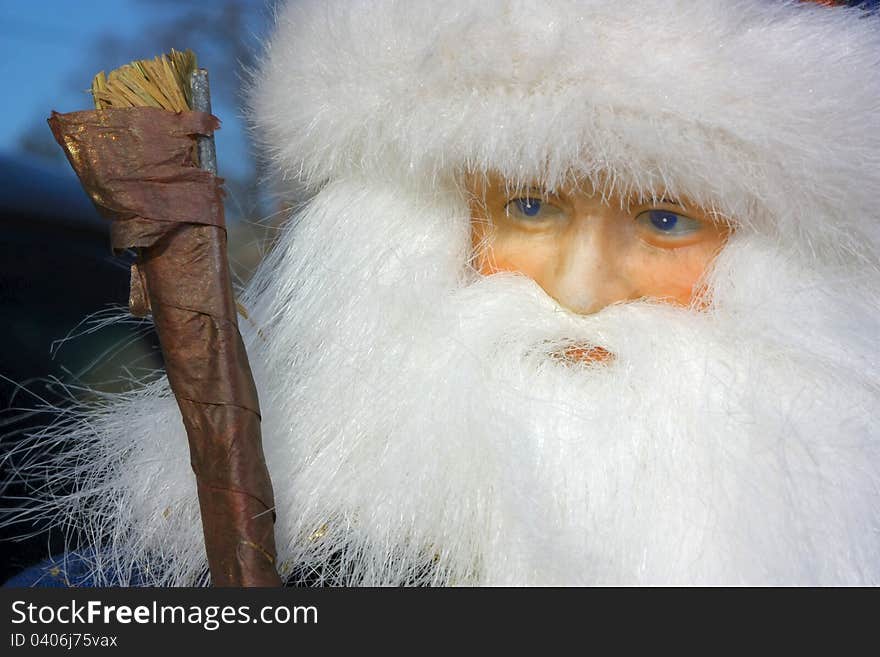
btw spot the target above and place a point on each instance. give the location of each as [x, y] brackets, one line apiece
[576, 292]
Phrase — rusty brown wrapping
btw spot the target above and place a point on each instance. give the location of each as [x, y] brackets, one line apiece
[138, 166]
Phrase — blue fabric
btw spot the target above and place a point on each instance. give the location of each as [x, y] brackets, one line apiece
[65, 571]
[69, 570]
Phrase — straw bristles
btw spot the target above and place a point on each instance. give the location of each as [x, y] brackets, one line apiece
[160, 82]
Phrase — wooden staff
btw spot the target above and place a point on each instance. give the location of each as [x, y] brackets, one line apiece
[147, 161]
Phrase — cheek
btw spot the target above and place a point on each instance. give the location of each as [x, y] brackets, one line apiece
[497, 250]
[672, 274]
[531, 258]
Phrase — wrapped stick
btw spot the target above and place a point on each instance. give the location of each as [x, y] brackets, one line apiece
[139, 164]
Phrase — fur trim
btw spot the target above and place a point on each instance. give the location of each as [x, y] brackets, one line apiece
[767, 110]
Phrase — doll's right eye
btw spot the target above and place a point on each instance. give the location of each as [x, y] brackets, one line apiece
[528, 208]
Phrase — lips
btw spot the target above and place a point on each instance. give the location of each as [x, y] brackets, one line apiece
[586, 354]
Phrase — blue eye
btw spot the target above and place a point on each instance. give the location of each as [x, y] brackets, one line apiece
[529, 207]
[533, 211]
[663, 220]
[668, 223]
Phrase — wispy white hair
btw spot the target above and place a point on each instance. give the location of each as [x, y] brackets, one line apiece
[421, 428]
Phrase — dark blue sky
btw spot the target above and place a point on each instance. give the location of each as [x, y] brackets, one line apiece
[41, 45]
[45, 46]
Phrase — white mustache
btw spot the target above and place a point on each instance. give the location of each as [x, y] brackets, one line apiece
[510, 310]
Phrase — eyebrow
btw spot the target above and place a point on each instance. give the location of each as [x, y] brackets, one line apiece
[670, 201]
[540, 191]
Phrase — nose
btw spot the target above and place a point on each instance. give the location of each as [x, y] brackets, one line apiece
[587, 274]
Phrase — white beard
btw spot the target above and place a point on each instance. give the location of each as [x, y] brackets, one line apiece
[419, 428]
[428, 417]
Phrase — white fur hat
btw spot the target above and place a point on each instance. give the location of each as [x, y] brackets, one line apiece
[767, 110]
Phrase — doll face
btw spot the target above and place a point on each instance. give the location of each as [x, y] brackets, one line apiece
[588, 253]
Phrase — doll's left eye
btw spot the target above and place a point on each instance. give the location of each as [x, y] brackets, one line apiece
[526, 206]
[666, 223]
[530, 210]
